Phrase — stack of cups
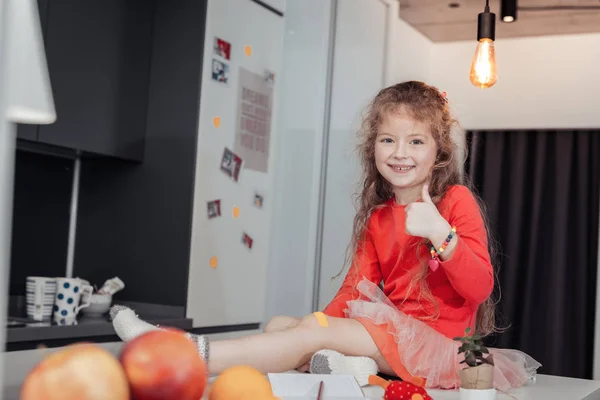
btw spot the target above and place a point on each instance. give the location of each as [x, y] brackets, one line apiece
[41, 292]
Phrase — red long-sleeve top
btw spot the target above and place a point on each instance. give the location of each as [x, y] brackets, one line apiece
[389, 254]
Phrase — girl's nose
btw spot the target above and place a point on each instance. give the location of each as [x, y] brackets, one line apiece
[400, 151]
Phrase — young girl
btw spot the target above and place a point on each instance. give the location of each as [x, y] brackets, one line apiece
[420, 235]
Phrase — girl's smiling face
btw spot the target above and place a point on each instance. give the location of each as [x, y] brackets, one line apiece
[405, 152]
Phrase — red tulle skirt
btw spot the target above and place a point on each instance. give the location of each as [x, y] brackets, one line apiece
[406, 342]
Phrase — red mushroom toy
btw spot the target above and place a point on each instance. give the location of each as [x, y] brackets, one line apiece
[399, 390]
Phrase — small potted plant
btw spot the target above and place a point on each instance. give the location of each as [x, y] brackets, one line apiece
[477, 378]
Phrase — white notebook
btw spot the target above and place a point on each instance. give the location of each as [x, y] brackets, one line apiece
[306, 386]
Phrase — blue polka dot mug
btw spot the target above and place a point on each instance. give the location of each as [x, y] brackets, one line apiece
[68, 296]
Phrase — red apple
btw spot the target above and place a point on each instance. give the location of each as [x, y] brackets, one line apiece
[78, 372]
[164, 365]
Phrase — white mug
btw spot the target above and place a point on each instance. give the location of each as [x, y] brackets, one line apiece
[40, 292]
[68, 295]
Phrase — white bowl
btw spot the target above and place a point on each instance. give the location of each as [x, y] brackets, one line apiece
[99, 305]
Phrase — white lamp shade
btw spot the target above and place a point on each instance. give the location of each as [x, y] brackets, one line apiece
[29, 94]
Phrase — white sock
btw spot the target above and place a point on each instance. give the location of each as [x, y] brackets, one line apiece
[128, 326]
[331, 362]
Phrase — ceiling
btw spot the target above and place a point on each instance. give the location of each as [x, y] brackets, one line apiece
[441, 23]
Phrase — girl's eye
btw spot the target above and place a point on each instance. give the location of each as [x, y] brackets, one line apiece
[416, 141]
[386, 140]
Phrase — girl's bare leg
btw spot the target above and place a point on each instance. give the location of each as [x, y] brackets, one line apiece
[291, 348]
[281, 323]
[288, 343]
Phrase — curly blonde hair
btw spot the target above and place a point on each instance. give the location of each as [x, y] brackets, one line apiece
[424, 103]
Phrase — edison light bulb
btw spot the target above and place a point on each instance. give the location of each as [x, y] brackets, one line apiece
[483, 69]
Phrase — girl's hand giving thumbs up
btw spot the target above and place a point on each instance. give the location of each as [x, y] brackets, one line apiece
[424, 220]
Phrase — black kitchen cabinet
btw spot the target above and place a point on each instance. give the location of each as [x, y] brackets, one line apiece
[122, 227]
[27, 131]
[98, 55]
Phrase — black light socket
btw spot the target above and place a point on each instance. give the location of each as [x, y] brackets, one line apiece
[486, 26]
[508, 9]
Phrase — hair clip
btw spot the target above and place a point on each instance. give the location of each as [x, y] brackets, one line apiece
[445, 96]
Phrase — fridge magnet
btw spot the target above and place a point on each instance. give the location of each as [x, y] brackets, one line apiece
[222, 48]
[269, 77]
[231, 164]
[247, 241]
[214, 209]
[258, 200]
[213, 262]
[217, 122]
[235, 212]
[248, 51]
[220, 71]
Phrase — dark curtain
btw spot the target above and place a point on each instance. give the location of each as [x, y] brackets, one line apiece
[542, 193]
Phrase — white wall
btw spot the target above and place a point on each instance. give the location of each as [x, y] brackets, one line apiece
[359, 70]
[409, 54]
[234, 291]
[296, 202]
[544, 82]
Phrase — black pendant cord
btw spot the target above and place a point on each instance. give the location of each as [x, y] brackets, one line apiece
[486, 24]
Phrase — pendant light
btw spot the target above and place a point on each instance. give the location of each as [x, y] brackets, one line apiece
[508, 10]
[483, 68]
[28, 91]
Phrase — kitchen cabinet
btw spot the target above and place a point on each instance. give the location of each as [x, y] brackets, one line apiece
[27, 131]
[118, 201]
[98, 55]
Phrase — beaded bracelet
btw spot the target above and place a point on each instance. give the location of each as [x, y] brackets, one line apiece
[434, 263]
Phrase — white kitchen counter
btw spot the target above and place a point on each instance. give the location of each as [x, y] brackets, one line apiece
[545, 388]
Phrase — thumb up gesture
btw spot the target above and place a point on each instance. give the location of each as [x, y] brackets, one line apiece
[423, 219]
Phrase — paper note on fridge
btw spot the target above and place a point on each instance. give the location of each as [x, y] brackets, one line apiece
[290, 386]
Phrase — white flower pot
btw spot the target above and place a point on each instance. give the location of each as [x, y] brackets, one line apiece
[477, 394]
